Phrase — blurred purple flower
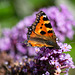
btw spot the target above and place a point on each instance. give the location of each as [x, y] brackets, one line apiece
[31, 51]
[47, 73]
[5, 43]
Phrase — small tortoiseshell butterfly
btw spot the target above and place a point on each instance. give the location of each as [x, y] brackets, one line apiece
[41, 33]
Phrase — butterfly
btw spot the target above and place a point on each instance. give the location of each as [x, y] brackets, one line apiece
[41, 33]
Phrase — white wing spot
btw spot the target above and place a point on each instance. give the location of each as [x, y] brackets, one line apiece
[44, 16]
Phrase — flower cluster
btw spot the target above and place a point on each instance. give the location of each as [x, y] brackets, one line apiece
[55, 59]
[46, 62]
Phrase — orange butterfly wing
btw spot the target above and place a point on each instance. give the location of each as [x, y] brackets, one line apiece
[41, 32]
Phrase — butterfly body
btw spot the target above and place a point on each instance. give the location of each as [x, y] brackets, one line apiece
[41, 33]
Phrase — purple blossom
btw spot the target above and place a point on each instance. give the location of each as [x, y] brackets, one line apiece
[24, 70]
[66, 47]
[31, 51]
[46, 62]
[56, 58]
[44, 58]
[47, 73]
[5, 43]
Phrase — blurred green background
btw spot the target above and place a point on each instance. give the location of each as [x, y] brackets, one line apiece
[12, 11]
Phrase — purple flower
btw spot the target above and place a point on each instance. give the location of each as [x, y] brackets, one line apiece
[31, 51]
[43, 58]
[66, 47]
[21, 48]
[24, 70]
[47, 73]
[46, 62]
[6, 32]
[5, 43]
[56, 58]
